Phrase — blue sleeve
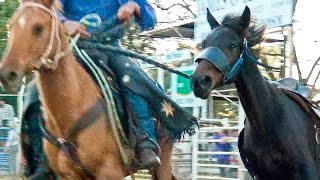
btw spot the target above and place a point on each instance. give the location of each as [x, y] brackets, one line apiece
[59, 13]
[148, 17]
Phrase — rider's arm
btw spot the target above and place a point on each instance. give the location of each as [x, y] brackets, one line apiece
[148, 18]
[72, 27]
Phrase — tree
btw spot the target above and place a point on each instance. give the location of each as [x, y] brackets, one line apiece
[167, 12]
[134, 41]
[7, 8]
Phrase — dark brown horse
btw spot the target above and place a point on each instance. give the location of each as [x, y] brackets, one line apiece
[67, 92]
[279, 133]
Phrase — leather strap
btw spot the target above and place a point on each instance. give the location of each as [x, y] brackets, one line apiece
[86, 120]
[69, 147]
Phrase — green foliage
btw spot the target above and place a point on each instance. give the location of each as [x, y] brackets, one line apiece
[224, 109]
[134, 41]
[7, 8]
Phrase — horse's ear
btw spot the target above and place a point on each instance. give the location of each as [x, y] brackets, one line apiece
[48, 3]
[245, 18]
[212, 21]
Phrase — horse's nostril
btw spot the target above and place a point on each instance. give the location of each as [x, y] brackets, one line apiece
[205, 82]
[12, 76]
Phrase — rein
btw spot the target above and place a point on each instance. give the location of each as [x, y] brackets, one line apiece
[44, 59]
[129, 53]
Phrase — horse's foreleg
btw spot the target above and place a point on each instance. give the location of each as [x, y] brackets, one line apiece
[111, 169]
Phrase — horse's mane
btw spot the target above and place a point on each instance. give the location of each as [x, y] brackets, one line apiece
[254, 33]
[57, 5]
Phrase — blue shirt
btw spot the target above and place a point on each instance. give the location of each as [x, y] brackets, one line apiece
[224, 147]
[76, 9]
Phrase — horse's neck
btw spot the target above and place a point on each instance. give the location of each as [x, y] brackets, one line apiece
[66, 93]
[255, 95]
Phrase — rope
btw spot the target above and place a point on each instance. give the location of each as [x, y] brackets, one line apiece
[106, 91]
[125, 52]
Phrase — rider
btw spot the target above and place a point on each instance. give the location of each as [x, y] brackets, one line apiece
[73, 11]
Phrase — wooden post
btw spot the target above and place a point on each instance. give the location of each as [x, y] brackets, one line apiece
[288, 51]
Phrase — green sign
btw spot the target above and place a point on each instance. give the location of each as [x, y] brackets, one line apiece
[183, 84]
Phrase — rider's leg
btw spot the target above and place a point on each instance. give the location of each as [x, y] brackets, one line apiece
[147, 147]
[121, 66]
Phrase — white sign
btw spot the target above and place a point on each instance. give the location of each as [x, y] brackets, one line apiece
[180, 55]
[272, 13]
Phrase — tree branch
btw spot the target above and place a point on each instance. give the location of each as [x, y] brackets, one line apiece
[314, 65]
[315, 81]
[188, 8]
[295, 59]
[185, 6]
[164, 8]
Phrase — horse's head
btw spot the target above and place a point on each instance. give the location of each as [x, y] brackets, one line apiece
[223, 47]
[32, 42]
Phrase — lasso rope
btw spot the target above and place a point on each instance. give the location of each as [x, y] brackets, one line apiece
[107, 93]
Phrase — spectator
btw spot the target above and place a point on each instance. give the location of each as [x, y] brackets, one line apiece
[222, 146]
[12, 145]
[35, 161]
[6, 113]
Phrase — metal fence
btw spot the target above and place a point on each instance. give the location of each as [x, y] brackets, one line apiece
[209, 160]
[10, 155]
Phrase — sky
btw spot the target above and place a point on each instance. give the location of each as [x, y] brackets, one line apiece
[306, 37]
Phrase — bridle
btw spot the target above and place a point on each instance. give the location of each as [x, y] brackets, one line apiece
[217, 57]
[45, 60]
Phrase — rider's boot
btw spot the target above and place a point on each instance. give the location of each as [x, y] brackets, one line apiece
[147, 146]
[147, 154]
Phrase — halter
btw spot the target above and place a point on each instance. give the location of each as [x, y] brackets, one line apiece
[216, 57]
[44, 59]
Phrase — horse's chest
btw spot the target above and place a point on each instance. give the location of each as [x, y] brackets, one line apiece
[268, 158]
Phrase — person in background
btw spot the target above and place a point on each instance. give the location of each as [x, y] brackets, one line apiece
[6, 113]
[35, 162]
[12, 146]
[222, 146]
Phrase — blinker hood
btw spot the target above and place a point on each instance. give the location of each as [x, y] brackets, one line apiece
[215, 56]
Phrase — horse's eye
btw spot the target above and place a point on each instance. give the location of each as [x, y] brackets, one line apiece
[38, 29]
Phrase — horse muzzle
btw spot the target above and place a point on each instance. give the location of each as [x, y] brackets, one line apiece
[10, 80]
[201, 86]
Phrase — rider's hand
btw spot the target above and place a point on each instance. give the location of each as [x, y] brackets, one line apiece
[72, 28]
[127, 10]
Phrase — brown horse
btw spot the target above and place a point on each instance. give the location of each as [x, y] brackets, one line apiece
[278, 141]
[37, 43]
